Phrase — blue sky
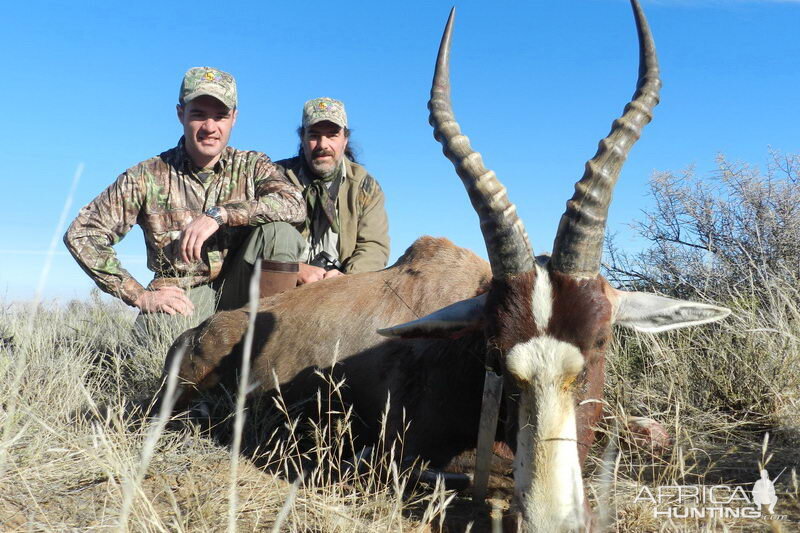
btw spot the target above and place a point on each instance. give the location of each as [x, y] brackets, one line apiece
[535, 86]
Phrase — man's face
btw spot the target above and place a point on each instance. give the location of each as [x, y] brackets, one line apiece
[323, 145]
[207, 125]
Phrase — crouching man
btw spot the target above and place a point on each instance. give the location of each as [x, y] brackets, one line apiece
[346, 229]
[208, 212]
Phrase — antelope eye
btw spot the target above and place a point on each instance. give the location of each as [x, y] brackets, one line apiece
[600, 343]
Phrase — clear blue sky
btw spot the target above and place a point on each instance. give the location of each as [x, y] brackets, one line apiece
[535, 86]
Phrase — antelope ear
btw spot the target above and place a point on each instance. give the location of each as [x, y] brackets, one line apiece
[653, 314]
[448, 322]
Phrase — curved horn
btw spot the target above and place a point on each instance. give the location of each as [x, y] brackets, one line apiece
[578, 245]
[506, 240]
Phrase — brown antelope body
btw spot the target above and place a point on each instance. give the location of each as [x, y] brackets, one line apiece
[545, 325]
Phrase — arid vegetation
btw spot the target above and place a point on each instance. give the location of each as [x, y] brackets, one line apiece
[73, 449]
[729, 392]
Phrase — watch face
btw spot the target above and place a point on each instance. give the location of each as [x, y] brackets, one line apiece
[215, 213]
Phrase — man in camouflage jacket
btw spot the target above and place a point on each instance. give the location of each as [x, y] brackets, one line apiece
[347, 222]
[199, 204]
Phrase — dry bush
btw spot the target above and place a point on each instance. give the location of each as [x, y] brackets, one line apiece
[733, 239]
[720, 389]
[732, 232]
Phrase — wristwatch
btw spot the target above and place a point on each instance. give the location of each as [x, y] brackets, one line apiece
[215, 213]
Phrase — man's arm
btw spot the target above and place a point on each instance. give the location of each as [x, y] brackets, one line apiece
[99, 226]
[372, 241]
[277, 200]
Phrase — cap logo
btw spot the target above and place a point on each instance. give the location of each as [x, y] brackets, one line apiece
[208, 81]
[322, 109]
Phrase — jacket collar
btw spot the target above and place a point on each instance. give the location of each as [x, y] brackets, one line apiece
[185, 162]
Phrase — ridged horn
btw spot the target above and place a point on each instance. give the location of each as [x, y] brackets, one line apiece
[578, 245]
[506, 240]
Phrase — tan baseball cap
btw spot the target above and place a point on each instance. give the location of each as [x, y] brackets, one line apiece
[208, 81]
[320, 109]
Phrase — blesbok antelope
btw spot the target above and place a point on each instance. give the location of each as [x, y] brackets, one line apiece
[544, 324]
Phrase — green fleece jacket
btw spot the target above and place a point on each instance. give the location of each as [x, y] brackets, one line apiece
[363, 225]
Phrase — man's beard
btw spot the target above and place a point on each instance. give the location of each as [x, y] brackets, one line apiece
[325, 168]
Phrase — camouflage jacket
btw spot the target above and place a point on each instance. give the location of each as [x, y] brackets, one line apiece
[363, 239]
[164, 194]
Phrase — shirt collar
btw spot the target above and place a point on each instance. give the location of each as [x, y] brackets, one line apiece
[185, 162]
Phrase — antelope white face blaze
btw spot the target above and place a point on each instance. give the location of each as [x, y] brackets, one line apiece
[547, 472]
[542, 299]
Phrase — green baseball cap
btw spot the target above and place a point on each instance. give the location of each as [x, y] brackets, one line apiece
[320, 109]
[207, 81]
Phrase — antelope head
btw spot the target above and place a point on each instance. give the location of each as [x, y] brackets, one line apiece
[549, 320]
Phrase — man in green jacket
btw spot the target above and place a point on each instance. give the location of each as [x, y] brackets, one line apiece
[346, 228]
[208, 212]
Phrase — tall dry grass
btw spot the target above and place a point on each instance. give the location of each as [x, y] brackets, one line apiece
[719, 390]
[728, 393]
[76, 454]
[726, 389]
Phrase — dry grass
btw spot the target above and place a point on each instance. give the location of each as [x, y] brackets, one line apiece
[729, 394]
[62, 470]
[719, 389]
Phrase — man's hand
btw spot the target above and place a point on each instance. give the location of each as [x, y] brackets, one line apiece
[332, 273]
[169, 300]
[309, 274]
[194, 235]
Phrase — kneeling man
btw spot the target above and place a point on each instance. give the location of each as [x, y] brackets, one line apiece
[346, 228]
[207, 210]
